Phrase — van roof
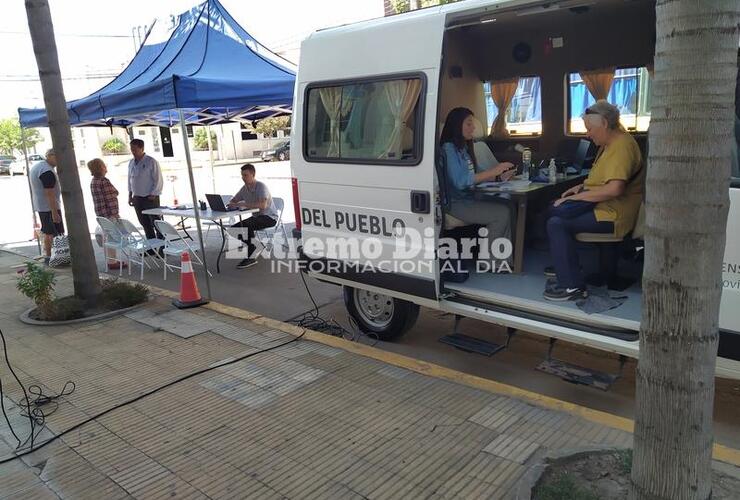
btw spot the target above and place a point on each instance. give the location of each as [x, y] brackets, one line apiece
[467, 7]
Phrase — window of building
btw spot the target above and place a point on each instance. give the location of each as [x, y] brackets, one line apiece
[630, 92]
[247, 133]
[189, 130]
[377, 121]
[524, 116]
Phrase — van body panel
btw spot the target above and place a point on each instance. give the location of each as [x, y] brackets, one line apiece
[729, 311]
[346, 200]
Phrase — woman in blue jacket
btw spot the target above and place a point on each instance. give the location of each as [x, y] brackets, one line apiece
[457, 146]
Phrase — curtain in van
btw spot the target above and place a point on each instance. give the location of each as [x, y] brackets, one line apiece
[402, 96]
[502, 92]
[331, 98]
[598, 81]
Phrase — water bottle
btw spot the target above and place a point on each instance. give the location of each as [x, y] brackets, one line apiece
[526, 163]
[552, 172]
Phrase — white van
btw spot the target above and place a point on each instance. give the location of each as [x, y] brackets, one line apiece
[371, 99]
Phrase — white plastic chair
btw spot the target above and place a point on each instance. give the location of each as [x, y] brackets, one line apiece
[137, 245]
[175, 244]
[113, 238]
[267, 236]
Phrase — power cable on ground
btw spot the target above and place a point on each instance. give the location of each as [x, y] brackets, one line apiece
[313, 320]
[33, 410]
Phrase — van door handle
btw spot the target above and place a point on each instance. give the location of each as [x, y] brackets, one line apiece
[420, 202]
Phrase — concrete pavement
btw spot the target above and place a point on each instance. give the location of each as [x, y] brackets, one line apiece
[317, 418]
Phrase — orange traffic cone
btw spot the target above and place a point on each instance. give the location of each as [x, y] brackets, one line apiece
[189, 294]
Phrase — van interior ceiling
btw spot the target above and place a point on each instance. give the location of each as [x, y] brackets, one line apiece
[549, 41]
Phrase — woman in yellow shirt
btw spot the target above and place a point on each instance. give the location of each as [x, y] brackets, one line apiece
[607, 202]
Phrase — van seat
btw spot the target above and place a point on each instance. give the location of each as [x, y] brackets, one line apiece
[452, 222]
[638, 232]
[597, 238]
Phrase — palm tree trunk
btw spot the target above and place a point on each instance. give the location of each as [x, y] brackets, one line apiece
[687, 204]
[84, 269]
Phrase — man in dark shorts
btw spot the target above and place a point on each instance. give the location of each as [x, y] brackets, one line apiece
[47, 200]
[253, 194]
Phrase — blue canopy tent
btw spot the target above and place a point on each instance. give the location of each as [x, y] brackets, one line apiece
[206, 69]
[208, 66]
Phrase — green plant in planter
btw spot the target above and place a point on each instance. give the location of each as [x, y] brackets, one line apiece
[37, 283]
[114, 145]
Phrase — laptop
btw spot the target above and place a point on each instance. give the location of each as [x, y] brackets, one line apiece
[216, 202]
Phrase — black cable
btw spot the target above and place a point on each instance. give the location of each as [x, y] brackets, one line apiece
[133, 400]
[312, 320]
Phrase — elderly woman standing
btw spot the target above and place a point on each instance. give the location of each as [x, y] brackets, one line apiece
[105, 200]
[607, 202]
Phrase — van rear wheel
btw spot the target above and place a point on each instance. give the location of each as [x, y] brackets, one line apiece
[382, 315]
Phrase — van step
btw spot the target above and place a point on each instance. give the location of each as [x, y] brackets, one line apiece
[472, 344]
[579, 374]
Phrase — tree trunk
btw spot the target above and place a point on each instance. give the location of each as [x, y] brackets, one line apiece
[687, 204]
[84, 269]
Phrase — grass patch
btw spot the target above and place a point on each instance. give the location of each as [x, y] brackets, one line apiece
[563, 487]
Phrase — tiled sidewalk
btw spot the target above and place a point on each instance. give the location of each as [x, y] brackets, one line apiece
[302, 421]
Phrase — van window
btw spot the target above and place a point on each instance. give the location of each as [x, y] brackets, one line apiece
[630, 92]
[373, 121]
[524, 116]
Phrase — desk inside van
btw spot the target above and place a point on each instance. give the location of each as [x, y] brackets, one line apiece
[522, 197]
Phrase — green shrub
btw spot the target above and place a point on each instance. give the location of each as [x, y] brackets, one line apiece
[120, 294]
[37, 283]
[114, 146]
[200, 140]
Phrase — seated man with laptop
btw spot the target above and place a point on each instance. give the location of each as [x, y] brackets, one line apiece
[253, 194]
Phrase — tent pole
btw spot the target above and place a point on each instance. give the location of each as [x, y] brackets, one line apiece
[210, 156]
[30, 191]
[233, 142]
[196, 208]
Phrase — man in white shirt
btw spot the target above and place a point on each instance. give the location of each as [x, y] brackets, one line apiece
[144, 186]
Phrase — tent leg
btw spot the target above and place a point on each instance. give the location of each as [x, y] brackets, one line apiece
[233, 143]
[196, 208]
[210, 156]
[30, 191]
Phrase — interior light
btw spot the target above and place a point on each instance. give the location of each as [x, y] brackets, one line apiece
[488, 20]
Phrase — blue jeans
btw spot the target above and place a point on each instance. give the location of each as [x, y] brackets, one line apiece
[564, 222]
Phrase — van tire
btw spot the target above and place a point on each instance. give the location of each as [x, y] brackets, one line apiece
[395, 316]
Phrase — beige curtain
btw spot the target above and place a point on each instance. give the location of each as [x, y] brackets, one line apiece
[402, 96]
[331, 98]
[502, 92]
[598, 81]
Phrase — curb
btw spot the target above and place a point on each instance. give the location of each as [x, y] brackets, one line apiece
[25, 318]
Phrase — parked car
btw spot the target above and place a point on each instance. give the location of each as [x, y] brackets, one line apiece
[5, 161]
[18, 167]
[280, 152]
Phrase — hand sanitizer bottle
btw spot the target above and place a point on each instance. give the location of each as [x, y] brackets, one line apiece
[552, 172]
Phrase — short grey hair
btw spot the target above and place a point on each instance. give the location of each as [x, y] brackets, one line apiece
[605, 110]
[50, 152]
